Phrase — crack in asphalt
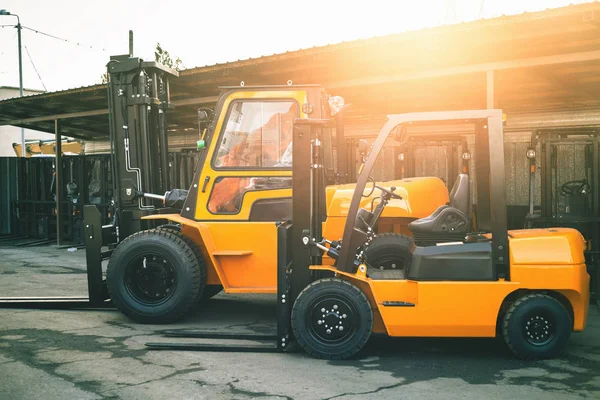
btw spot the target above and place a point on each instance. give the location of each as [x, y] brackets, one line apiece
[26, 352]
[234, 390]
[171, 375]
[395, 385]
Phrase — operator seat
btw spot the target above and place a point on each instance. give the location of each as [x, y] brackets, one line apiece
[449, 222]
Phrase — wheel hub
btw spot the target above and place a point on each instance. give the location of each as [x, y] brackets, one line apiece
[332, 320]
[151, 278]
[388, 264]
[539, 330]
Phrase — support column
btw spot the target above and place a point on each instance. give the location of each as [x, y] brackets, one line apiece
[489, 89]
[58, 180]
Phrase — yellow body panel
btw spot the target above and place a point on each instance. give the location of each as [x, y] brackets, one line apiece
[241, 256]
[470, 309]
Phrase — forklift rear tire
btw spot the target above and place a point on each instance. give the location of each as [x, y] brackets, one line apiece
[389, 251]
[536, 326]
[154, 277]
[176, 230]
[332, 319]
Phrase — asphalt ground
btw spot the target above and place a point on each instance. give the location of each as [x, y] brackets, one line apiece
[49, 354]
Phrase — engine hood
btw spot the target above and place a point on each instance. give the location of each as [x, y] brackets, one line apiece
[420, 197]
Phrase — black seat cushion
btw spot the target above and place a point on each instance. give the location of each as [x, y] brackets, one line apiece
[444, 220]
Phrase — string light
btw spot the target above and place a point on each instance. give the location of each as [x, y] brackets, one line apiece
[63, 40]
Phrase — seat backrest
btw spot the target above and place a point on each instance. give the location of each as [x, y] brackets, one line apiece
[459, 195]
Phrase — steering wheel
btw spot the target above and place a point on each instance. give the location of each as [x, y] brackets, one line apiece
[570, 188]
[390, 192]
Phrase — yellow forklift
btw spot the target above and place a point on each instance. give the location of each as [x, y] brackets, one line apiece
[176, 248]
[529, 286]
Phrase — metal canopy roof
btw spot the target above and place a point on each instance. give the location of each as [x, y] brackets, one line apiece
[542, 61]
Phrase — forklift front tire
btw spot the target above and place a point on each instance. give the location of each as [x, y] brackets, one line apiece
[154, 277]
[176, 230]
[332, 319]
[536, 326]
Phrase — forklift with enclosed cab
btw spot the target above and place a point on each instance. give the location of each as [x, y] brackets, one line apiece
[167, 260]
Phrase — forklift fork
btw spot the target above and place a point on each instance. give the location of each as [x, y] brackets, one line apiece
[97, 293]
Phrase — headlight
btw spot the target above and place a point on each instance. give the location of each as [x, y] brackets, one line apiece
[466, 156]
[336, 103]
[401, 156]
[530, 153]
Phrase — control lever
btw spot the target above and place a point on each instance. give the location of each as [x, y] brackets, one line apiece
[390, 192]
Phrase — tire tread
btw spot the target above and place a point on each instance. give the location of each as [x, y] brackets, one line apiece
[196, 250]
[195, 275]
[509, 313]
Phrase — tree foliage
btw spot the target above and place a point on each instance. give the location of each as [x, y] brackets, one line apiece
[162, 56]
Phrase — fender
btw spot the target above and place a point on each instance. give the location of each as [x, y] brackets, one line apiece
[200, 234]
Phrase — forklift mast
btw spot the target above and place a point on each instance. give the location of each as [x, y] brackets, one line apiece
[138, 100]
[455, 147]
[568, 203]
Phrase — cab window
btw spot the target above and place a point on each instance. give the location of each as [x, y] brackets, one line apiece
[258, 134]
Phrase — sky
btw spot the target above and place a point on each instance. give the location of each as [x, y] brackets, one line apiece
[208, 32]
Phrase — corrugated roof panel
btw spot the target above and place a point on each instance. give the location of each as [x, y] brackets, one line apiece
[406, 55]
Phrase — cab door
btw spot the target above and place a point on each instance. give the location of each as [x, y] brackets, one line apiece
[248, 175]
[246, 185]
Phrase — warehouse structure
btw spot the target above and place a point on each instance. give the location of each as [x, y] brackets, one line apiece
[542, 69]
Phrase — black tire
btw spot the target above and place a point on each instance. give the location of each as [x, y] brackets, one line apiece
[536, 326]
[389, 251]
[172, 227]
[174, 230]
[210, 291]
[340, 303]
[153, 277]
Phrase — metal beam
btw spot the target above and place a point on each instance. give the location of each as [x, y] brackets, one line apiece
[470, 69]
[81, 114]
[196, 100]
[59, 184]
[54, 117]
